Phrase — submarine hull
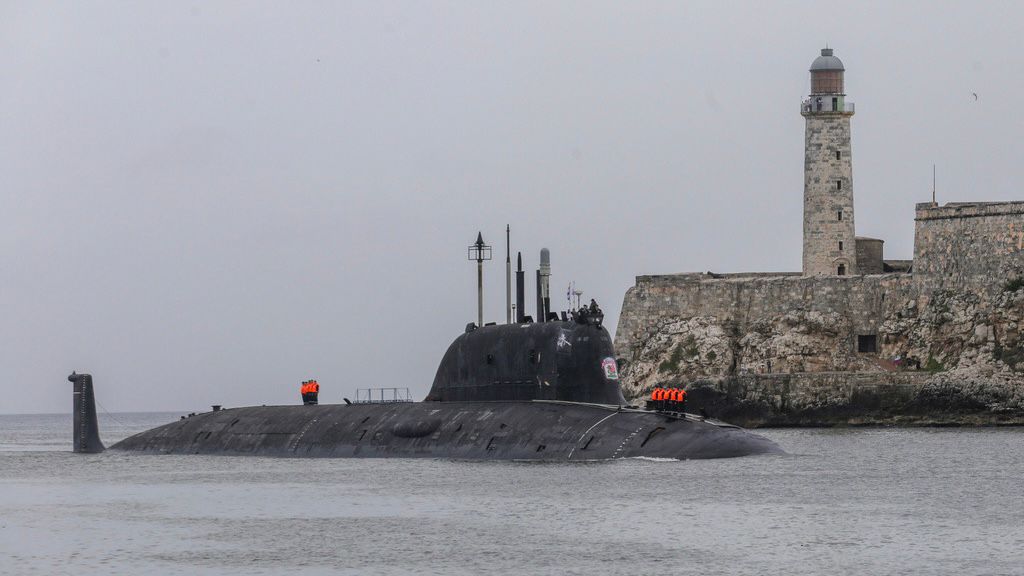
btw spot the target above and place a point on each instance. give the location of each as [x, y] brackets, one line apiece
[512, 430]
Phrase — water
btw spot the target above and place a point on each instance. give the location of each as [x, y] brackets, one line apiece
[871, 501]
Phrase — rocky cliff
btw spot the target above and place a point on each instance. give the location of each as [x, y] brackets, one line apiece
[791, 350]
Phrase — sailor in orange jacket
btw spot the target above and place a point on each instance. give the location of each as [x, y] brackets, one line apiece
[309, 390]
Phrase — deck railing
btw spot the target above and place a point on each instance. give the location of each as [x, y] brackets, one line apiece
[382, 395]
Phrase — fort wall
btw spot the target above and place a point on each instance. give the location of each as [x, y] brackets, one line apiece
[854, 334]
[955, 322]
[863, 302]
[974, 246]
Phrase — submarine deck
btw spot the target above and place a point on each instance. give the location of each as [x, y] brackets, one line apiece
[502, 430]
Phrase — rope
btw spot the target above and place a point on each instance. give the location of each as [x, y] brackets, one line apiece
[111, 416]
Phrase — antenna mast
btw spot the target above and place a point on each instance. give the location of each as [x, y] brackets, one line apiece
[479, 251]
[508, 275]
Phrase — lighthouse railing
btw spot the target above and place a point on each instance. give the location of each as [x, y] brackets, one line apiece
[811, 105]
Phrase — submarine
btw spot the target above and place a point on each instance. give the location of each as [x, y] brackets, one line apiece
[544, 391]
[525, 390]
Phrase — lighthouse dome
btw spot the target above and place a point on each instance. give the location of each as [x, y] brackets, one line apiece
[826, 61]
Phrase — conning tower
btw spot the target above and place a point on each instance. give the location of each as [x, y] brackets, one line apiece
[829, 238]
[570, 360]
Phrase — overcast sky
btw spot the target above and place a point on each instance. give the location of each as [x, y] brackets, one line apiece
[210, 202]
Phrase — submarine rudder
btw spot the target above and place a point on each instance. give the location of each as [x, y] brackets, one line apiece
[86, 426]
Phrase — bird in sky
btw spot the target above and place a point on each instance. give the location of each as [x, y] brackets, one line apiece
[975, 94]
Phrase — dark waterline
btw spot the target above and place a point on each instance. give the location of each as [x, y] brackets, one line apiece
[855, 501]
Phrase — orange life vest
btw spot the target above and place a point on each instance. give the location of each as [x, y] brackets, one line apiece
[314, 387]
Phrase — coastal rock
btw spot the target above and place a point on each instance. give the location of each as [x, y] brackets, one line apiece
[944, 357]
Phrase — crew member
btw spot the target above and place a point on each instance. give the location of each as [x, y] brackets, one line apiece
[314, 391]
[674, 396]
[682, 400]
[310, 389]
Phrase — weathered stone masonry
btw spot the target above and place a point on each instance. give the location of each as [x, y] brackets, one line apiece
[967, 244]
[768, 349]
[938, 340]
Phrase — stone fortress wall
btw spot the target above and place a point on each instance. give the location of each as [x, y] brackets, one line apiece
[967, 244]
[845, 306]
[789, 349]
[853, 338]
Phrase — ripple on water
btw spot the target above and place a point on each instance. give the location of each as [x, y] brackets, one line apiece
[840, 502]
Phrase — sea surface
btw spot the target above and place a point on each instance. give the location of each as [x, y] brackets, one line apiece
[852, 501]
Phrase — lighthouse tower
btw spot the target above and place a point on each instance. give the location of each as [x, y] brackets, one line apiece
[829, 240]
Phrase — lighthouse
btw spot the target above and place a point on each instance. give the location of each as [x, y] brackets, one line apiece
[829, 238]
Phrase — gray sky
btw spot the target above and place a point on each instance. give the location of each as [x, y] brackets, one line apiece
[209, 203]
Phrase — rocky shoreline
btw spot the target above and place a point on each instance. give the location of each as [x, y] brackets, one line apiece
[812, 400]
[783, 351]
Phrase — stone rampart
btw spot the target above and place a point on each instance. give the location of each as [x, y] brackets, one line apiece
[977, 246]
[803, 339]
[863, 302]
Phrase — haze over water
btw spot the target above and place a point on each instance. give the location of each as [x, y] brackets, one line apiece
[866, 501]
[208, 203]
